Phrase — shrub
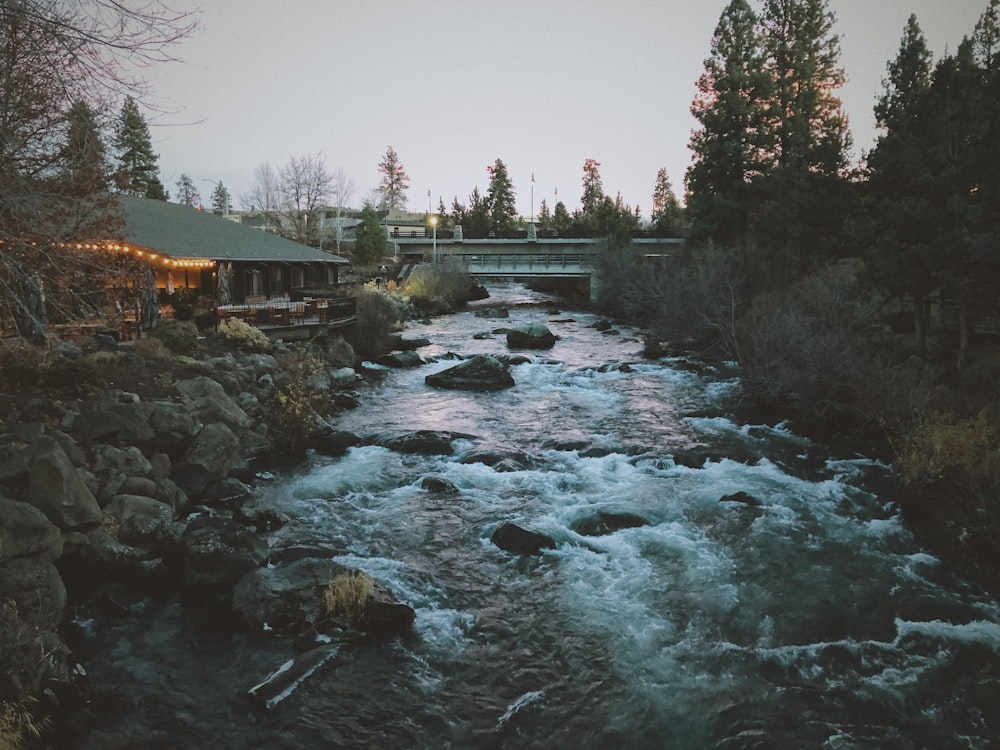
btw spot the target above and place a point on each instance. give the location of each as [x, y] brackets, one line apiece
[243, 335]
[298, 399]
[944, 445]
[27, 367]
[348, 594]
[378, 317]
[180, 336]
[18, 726]
[152, 348]
[440, 287]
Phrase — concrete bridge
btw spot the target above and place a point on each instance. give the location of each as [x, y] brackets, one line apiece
[523, 258]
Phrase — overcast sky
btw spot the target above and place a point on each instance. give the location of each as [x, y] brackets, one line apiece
[453, 85]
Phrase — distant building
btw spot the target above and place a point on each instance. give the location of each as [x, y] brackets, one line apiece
[187, 247]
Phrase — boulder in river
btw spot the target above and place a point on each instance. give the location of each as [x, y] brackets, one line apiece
[420, 442]
[535, 336]
[605, 522]
[217, 552]
[513, 538]
[402, 359]
[478, 373]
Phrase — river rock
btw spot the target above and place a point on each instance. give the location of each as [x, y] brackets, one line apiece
[742, 497]
[604, 522]
[478, 373]
[535, 336]
[503, 460]
[216, 449]
[286, 599]
[173, 425]
[421, 442]
[37, 590]
[400, 359]
[208, 402]
[493, 312]
[55, 487]
[343, 377]
[336, 443]
[217, 552]
[26, 532]
[141, 521]
[439, 485]
[520, 541]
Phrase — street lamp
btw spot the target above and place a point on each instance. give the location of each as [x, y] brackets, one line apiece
[434, 228]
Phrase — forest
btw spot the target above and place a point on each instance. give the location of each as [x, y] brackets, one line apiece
[861, 302]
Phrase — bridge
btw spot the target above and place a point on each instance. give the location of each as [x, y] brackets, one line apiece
[523, 258]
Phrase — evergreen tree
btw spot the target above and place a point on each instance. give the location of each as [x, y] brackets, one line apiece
[500, 198]
[138, 165]
[443, 217]
[84, 156]
[370, 241]
[544, 216]
[593, 189]
[731, 142]
[220, 199]
[902, 260]
[810, 128]
[394, 181]
[477, 217]
[561, 220]
[187, 193]
[668, 215]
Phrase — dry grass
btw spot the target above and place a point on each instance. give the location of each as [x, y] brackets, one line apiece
[18, 725]
[348, 594]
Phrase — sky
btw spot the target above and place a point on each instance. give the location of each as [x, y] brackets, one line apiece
[454, 85]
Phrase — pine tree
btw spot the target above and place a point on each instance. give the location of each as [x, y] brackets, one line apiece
[544, 215]
[593, 188]
[500, 198]
[731, 144]
[187, 193]
[806, 116]
[902, 260]
[394, 181]
[84, 156]
[668, 215]
[220, 199]
[138, 165]
[370, 240]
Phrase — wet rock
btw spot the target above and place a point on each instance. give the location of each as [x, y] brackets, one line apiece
[493, 312]
[336, 443]
[26, 532]
[740, 497]
[217, 552]
[520, 541]
[404, 344]
[503, 460]
[438, 485]
[140, 520]
[286, 599]
[530, 337]
[421, 442]
[400, 359]
[343, 377]
[603, 523]
[478, 373]
[37, 590]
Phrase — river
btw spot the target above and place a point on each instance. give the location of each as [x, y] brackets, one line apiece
[811, 620]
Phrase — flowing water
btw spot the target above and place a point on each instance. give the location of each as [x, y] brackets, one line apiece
[811, 620]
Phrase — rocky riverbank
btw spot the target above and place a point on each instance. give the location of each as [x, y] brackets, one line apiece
[146, 483]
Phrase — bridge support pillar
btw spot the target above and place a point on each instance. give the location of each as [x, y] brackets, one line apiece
[594, 286]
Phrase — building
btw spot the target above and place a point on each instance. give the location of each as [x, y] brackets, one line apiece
[188, 246]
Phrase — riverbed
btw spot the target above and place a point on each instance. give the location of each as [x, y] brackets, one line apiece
[802, 614]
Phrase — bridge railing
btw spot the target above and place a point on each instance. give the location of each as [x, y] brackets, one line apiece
[520, 262]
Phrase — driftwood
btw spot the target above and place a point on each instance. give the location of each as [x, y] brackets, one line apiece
[282, 682]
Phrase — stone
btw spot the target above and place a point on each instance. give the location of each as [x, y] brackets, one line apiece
[217, 552]
[420, 442]
[740, 497]
[439, 485]
[287, 599]
[520, 541]
[37, 590]
[141, 521]
[343, 377]
[603, 522]
[336, 443]
[208, 402]
[55, 487]
[492, 312]
[26, 532]
[478, 373]
[400, 359]
[535, 336]
[216, 449]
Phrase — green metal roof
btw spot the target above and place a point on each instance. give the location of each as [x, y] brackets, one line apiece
[184, 232]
